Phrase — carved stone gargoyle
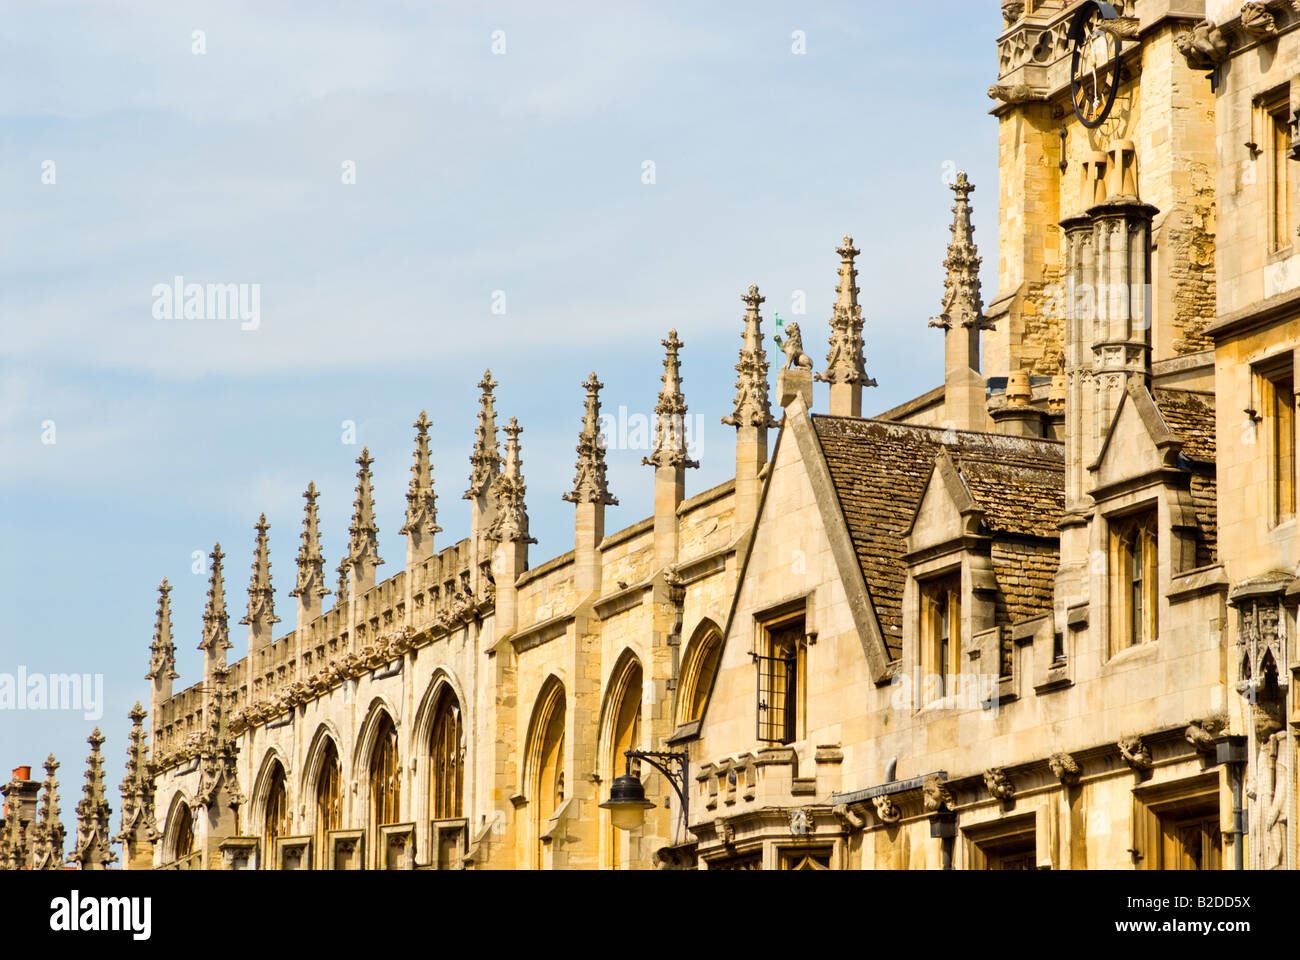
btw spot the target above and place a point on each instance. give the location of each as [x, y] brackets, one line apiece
[935, 795]
[886, 810]
[1257, 21]
[1014, 93]
[998, 784]
[1064, 767]
[1201, 734]
[1204, 47]
[1135, 754]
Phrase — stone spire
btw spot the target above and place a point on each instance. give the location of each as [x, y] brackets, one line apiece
[162, 652]
[138, 832]
[590, 494]
[753, 403]
[216, 622]
[670, 427]
[590, 484]
[753, 413]
[91, 850]
[485, 461]
[962, 304]
[845, 368]
[19, 837]
[962, 318]
[363, 551]
[310, 587]
[511, 523]
[47, 848]
[421, 510]
[261, 597]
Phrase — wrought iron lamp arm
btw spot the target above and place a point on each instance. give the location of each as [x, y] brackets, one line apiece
[678, 777]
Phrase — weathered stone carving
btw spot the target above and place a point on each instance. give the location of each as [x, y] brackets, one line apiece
[886, 810]
[261, 597]
[421, 502]
[590, 484]
[1257, 21]
[138, 816]
[511, 522]
[935, 795]
[310, 586]
[1016, 93]
[999, 784]
[216, 622]
[1122, 28]
[793, 349]
[1064, 767]
[1201, 734]
[92, 851]
[1012, 10]
[1267, 791]
[1135, 754]
[962, 302]
[753, 403]
[48, 835]
[844, 362]
[485, 461]
[363, 546]
[162, 652]
[1204, 46]
[800, 822]
[670, 412]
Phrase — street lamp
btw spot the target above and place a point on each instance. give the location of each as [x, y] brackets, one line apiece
[627, 802]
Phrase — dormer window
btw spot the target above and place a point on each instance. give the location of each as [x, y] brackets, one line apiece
[941, 627]
[1133, 575]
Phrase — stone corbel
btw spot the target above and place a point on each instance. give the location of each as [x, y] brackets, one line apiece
[1065, 768]
[999, 784]
[1137, 755]
[1202, 733]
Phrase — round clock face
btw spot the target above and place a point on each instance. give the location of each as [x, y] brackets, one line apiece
[1094, 66]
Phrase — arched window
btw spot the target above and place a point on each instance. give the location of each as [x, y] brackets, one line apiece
[446, 759]
[385, 788]
[276, 822]
[697, 673]
[183, 833]
[329, 798]
[622, 733]
[546, 762]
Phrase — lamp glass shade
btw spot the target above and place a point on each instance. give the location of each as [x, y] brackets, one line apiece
[627, 803]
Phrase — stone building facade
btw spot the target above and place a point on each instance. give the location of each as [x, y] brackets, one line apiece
[1038, 617]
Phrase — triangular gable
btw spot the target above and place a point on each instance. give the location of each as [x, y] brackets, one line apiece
[946, 511]
[797, 427]
[1138, 442]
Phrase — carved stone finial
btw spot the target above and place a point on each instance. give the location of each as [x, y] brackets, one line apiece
[216, 622]
[48, 836]
[753, 401]
[1135, 754]
[511, 522]
[1064, 767]
[935, 795]
[363, 549]
[421, 509]
[844, 361]
[1204, 46]
[138, 815]
[162, 652]
[91, 850]
[670, 412]
[485, 461]
[962, 303]
[311, 563]
[999, 784]
[261, 597]
[341, 590]
[590, 484]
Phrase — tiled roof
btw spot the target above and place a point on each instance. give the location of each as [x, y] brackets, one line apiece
[1190, 417]
[880, 469]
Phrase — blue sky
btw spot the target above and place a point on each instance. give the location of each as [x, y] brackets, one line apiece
[475, 173]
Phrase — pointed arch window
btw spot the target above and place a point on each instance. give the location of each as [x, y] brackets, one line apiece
[697, 674]
[329, 797]
[276, 821]
[546, 760]
[183, 842]
[385, 786]
[446, 759]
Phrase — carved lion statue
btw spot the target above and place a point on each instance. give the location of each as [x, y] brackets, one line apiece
[793, 347]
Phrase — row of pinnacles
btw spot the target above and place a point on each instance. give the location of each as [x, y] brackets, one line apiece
[202, 724]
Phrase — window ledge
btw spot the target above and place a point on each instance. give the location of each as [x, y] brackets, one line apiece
[1143, 651]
